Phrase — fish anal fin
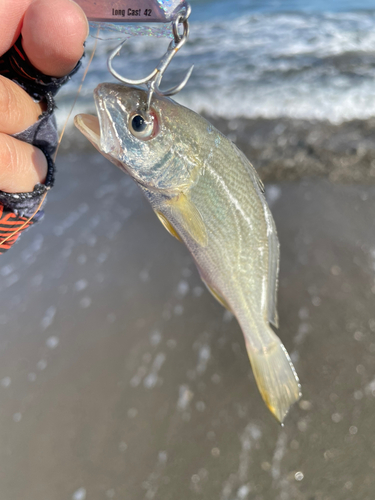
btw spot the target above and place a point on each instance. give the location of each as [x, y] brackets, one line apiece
[217, 296]
[168, 226]
[186, 214]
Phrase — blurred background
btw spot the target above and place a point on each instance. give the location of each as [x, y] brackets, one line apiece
[120, 376]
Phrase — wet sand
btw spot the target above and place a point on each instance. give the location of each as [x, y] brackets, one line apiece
[121, 377]
[286, 149]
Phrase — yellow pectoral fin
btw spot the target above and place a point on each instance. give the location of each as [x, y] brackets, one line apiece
[168, 226]
[217, 296]
[189, 217]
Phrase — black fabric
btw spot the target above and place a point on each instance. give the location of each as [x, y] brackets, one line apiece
[42, 134]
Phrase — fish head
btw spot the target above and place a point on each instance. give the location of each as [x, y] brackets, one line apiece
[154, 146]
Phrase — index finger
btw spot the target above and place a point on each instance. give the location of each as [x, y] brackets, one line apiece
[53, 34]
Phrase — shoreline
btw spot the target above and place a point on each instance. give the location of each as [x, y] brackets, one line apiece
[285, 149]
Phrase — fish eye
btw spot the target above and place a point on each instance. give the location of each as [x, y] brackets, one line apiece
[138, 123]
[141, 127]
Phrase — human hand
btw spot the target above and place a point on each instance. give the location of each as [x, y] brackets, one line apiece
[53, 33]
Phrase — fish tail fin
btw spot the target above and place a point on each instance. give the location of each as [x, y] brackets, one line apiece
[275, 375]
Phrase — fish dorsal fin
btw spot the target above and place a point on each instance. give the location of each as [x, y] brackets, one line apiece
[168, 226]
[253, 173]
[187, 215]
[250, 168]
[273, 242]
[217, 296]
[273, 268]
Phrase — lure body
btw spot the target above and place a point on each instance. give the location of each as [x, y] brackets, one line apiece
[207, 194]
[116, 11]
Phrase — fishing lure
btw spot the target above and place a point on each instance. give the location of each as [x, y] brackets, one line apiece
[149, 11]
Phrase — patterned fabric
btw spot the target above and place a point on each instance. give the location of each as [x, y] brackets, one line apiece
[11, 226]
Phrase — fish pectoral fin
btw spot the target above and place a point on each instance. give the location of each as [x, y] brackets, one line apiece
[188, 216]
[217, 296]
[168, 226]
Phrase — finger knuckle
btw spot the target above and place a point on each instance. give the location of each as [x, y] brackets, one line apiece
[7, 108]
[9, 155]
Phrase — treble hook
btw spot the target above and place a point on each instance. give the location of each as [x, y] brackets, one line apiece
[153, 80]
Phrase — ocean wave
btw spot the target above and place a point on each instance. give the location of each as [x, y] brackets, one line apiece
[302, 65]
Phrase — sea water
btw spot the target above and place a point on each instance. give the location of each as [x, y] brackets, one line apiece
[266, 58]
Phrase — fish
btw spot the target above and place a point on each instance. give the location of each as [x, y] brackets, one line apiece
[208, 195]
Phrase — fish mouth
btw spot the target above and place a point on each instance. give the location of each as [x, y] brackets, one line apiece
[90, 128]
[89, 125]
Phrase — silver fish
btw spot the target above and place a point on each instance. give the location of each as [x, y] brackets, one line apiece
[207, 194]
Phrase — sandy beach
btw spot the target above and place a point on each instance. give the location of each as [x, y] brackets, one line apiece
[121, 377]
[286, 149]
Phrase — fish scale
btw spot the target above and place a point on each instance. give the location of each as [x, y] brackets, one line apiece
[242, 275]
